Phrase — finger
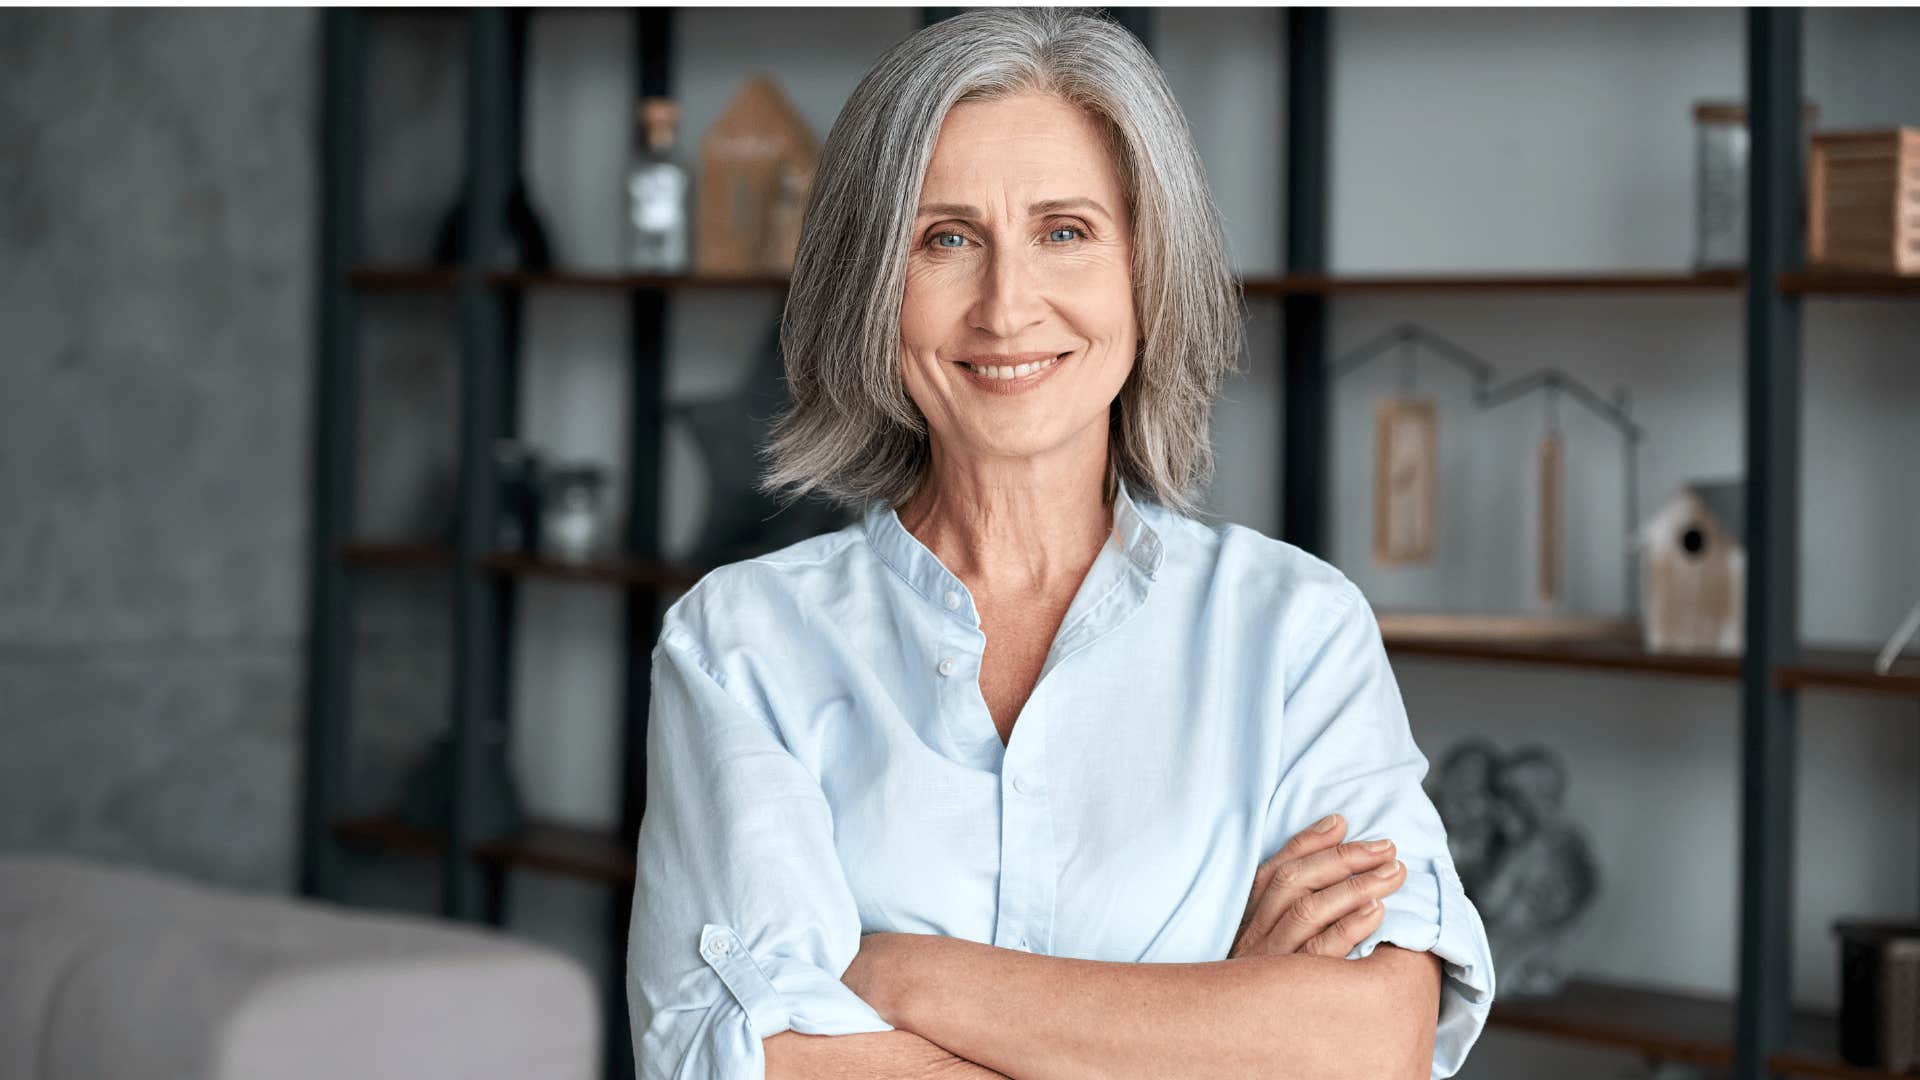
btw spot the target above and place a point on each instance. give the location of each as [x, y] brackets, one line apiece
[1349, 930]
[1305, 842]
[1292, 881]
[1323, 910]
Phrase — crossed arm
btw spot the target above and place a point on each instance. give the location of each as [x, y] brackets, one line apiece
[964, 1009]
[745, 949]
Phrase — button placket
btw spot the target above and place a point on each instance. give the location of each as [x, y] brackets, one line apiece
[1027, 865]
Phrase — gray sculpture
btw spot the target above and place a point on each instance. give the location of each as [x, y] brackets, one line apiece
[1529, 872]
[741, 522]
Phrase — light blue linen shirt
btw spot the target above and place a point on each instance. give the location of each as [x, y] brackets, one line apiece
[821, 764]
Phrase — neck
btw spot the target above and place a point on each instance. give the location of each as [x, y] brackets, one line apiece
[1013, 525]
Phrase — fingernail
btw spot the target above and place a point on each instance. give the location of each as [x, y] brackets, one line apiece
[1377, 846]
[1371, 905]
[1388, 870]
[1326, 823]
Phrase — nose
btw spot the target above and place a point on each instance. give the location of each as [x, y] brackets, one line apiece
[1008, 301]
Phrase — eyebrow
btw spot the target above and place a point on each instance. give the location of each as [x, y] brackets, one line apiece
[1044, 206]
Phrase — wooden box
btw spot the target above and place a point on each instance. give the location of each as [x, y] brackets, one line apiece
[1863, 201]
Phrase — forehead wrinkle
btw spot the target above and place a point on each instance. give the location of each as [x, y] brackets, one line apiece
[1036, 209]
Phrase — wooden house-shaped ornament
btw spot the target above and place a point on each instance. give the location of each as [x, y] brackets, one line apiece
[1694, 570]
[756, 172]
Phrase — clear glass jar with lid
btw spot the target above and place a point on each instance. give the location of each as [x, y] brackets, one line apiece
[1720, 182]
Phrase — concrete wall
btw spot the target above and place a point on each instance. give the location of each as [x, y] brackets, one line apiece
[157, 186]
[156, 273]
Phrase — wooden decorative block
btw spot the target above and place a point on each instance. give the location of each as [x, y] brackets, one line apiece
[1403, 480]
[756, 172]
[1863, 201]
[1549, 559]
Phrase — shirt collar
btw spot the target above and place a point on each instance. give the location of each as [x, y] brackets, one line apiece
[913, 561]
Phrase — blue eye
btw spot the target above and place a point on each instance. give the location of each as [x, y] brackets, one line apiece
[1074, 231]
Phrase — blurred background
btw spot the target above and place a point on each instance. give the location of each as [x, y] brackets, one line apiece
[374, 378]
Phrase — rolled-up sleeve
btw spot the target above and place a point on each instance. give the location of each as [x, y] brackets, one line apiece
[1349, 749]
[742, 920]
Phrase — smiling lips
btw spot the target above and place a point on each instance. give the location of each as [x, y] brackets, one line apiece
[1009, 366]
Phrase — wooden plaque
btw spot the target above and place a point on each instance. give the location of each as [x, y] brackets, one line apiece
[1550, 519]
[1404, 432]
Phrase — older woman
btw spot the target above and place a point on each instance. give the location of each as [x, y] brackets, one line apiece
[1019, 774]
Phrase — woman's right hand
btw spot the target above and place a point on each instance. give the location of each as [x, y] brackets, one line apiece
[1317, 895]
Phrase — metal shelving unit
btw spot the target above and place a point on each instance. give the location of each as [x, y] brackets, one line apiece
[1757, 1033]
[1754, 1032]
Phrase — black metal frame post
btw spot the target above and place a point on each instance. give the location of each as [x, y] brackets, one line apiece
[482, 332]
[653, 77]
[336, 389]
[1767, 789]
[1305, 453]
[506, 594]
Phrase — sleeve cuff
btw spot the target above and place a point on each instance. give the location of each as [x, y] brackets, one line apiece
[781, 993]
[1430, 912]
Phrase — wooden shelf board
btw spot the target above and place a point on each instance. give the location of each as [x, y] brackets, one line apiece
[567, 850]
[389, 833]
[1600, 654]
[1328, 284]
[620, 280]
[380, 553]
[1848, 669]
[1837, 283]
[1802, 1063]
[403, 278]
[1693, 1028]
[611, 571]
[1836, 667]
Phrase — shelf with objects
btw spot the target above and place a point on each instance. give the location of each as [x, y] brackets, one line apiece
[1755, 1030]
[459, 803]
[486, 286]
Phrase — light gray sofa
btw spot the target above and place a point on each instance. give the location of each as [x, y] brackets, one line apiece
[115, 974]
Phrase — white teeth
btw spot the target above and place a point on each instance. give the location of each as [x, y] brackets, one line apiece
[1013, 371]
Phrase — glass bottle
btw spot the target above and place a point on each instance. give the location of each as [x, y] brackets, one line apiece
[656, 198]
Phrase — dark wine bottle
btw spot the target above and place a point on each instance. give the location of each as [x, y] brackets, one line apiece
[527, 244]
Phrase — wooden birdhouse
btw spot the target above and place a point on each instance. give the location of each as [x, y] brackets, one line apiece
[756, 171]
[1694, 570]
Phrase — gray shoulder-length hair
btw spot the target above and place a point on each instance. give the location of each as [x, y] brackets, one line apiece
[851, 433]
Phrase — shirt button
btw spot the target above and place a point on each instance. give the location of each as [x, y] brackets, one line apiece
[946, 665]
[720, 946]
[953, 599]
[1021, 785]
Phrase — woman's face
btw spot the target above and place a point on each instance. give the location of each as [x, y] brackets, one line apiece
[1021, 253]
